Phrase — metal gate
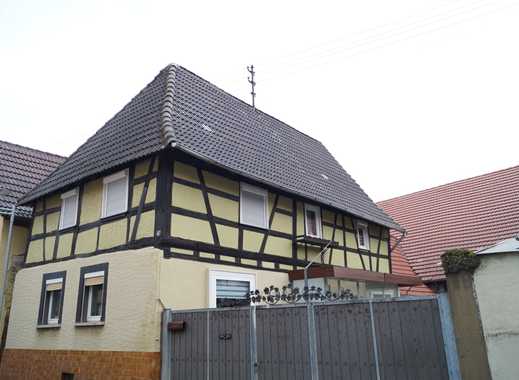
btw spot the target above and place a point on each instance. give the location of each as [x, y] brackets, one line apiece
[406, 338]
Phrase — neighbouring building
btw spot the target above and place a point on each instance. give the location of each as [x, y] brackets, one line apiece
[186, 198]
[472, 213]
[21, 169]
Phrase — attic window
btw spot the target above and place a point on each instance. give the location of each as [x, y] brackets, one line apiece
[69, 205]
[362, 235]
[115, 194]
[313, 221]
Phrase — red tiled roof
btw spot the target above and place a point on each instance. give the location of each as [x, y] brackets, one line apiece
[472, 213]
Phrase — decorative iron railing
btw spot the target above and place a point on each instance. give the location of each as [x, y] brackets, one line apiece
[291, 295]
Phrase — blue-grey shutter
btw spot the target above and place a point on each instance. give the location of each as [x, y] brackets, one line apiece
[232, 289]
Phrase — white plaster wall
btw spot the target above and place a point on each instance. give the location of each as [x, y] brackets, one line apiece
[132, 312]
[496, 283]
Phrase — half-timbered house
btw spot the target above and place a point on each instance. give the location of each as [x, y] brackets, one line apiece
[187, 198]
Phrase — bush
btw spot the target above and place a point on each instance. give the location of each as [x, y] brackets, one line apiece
[457, 260]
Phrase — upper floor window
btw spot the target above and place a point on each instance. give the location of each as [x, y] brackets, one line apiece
[313, 221]
[253, 205]
[69, 205]
[230, 289]
[115, 194]
[362, 235]
[92, 293]
[51, 300]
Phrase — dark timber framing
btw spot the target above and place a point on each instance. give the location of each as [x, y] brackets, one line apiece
[336, 223]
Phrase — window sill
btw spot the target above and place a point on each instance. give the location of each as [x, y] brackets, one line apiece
[109, 218]
[87, 324]
[51, 326]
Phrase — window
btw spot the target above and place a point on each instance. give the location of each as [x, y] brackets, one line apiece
[230, 289]
[92, 294]
[69, 204]
[51, 300]
[313, 221]
[115, 194]
[362, 235]
[253, 205]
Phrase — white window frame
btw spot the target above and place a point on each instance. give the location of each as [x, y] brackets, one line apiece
[68, 194]
[318, 222]
[258, 191]
[52, 321]
[362, 226]
[224, 275]
[109, 179]
[89, 316]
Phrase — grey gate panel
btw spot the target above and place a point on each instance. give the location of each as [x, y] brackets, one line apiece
[229, 344]
[344, 342]
[189, 348]
[282, 343]
[358, 340]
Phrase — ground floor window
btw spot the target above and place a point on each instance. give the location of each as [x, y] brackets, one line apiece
[51, 300]
[230, 289]
[92, 293]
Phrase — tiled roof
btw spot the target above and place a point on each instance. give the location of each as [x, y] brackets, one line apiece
[472, 213]
[189, 113]
[21, 169]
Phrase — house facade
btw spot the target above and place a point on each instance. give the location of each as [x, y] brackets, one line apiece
[21, 169]
[187, 198]
[472, 213]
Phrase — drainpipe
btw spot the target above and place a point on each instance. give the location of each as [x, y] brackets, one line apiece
[7, 254]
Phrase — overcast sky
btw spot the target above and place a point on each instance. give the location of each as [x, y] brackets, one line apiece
[405, 94]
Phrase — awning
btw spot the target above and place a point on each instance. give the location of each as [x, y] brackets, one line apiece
[330, 271]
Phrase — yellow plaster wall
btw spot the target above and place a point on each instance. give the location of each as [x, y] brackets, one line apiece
[191, 228]
[188, 198]
[86, 241]
[112, 234]
[184, 171]
[354, 261]
[282, 223]
[141, 168]
[150, 194]
[49, 247]
[300, 219]
[252, 240]
[224, 208]
[184, 284]
[37, 225]
[91, 201]
[218, 182]
[285, 203]
[383, 265]
[146, 225]
[64, 245]
[338, 257]
[53, 201]
[278, 246]
[132, 311]
[35, 251]
[52, 222]
[228, 236]
[351, 242]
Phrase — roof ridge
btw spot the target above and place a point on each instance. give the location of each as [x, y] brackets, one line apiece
[33, 149]
[447, 184]
[166, 115]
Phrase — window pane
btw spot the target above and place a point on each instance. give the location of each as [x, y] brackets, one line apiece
[69, 211]
[54, 303]
[232, 293]
[116, 197]
[360, 233]
[311, 222]
[96, 300]
[253, 209]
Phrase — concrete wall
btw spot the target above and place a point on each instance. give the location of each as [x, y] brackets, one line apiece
[496, 282]
[184, 284]
[132, 308]
[467, 324]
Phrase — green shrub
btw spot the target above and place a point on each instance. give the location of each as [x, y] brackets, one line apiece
[457, 260]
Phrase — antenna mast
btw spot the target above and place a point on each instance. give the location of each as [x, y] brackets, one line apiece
[250, 69]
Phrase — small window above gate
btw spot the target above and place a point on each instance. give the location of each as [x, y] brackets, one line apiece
[230, 289]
